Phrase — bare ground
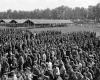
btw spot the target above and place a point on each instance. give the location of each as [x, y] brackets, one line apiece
[71, 28]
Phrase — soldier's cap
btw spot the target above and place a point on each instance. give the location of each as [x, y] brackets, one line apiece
[55, 64]
[12, 72]
[43, 65]
[28, 68]
[35, 61]
[6, 73]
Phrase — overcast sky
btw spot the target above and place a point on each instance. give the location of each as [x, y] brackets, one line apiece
[43, 4]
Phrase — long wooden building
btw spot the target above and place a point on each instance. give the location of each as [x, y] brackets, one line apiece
[34, 22]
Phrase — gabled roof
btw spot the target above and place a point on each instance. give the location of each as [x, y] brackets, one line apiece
[48, 21]
[7, 20]
[17, 20]
[29, 21]
[39, 21]
[20, 20]
[2, 21]
[13, 21]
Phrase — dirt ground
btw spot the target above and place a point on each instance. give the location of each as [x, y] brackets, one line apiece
[70, 28]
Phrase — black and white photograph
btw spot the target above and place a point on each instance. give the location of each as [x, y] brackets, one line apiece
[49, 39]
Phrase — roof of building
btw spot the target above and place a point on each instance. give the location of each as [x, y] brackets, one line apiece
[7, 20]
[2, 21]
[39, 21]
[20, 20]
[50, 21]
[13, 21]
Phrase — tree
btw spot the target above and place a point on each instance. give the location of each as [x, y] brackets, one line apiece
[97, 12]
[91, 12]
[9, 13]
[61, 12]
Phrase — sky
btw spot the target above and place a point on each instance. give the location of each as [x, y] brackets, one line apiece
[28, 5]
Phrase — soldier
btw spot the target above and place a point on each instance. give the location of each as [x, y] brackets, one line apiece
[49, 70]
[56, 72]
[28, 74]
[14, 75]
[85, 77]
[35, 71]
[20, 63]
[88, 74]
[63, 72]
[0, 69]
[4, 77]
[5, 66]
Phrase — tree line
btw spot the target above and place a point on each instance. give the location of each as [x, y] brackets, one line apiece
[62, 12]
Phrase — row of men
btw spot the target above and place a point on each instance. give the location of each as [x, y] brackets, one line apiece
[49, 55]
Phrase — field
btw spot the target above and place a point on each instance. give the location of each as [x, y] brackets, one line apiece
[64, 29]
[71, 28]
